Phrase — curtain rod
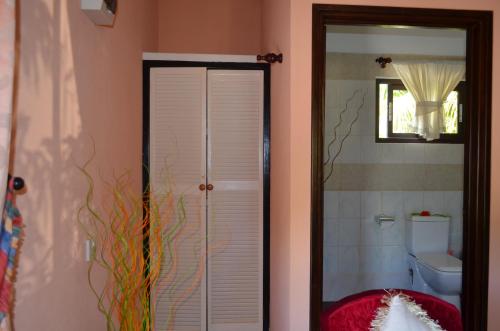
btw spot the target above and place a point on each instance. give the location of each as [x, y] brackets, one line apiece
[271, 58]
[383, 61]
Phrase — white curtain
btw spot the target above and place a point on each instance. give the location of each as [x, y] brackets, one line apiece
[430, 83]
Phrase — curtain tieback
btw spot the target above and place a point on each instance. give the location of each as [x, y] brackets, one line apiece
[427, 107]
[430, 103]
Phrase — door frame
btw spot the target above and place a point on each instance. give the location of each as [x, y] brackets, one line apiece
[265, 67]
[476, 208]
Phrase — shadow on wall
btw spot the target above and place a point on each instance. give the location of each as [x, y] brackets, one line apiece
[43, 157]
[76, 83]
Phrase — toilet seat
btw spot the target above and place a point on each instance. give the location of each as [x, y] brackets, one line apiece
[440, 262]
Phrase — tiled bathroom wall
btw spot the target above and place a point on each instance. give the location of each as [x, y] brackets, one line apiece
[359, 254]
[368, 179]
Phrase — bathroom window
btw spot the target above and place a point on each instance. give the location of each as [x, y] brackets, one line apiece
[395, 108]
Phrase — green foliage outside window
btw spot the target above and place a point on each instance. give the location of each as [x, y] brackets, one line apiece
[404, 112]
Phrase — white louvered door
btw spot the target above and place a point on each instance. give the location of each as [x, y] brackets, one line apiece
[206, 127]
[178, 164]
[235, 205]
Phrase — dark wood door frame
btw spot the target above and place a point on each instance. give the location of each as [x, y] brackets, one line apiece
[477, 141]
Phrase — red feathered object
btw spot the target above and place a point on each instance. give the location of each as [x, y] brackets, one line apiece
[355, 312]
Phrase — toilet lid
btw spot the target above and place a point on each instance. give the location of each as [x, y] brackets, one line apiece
[441, 261]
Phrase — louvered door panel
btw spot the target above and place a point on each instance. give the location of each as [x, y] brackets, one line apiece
[235, 206]
[178, 165]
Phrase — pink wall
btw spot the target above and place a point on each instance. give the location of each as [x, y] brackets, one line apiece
[276, 38]
[76, 81]
[215, 26]
[300, 101]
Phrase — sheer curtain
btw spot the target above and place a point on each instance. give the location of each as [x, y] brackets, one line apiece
[430, 83]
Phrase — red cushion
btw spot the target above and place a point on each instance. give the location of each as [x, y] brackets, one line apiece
[355, 312]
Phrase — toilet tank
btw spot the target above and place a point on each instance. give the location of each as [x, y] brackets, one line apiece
[427, 234]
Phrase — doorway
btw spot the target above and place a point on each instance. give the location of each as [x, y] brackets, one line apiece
[474, 135]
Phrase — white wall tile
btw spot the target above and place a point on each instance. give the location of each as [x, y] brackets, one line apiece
[393, 153]
[394, 259]
[367, 122]
[456, 245]
[330, 260]
[434, 154]
[328, 289]
[332, 121]
[414, 153]
[332, 118]
[371, 152]
[338, 92]
[444, 153]
[399, 280]
[392, 204]
[348, 259]
[349, 231]
[393, 234]
[371, 259]
[434, 201]
[351, 150]
[331, 204]
[344, 285]
[330, 270]
[330, 146]
[370, 281]
[413, 202]
[453, 204]
[455, 154]
[371, 234]
[350, 204]
[331, 232]
[456, 226]
[371, 204]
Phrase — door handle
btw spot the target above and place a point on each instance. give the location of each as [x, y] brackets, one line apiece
[210, 187]
[202, 187]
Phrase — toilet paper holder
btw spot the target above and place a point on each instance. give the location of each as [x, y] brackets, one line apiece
[380, 219]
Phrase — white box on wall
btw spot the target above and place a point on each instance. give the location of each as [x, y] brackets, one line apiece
[101, 12]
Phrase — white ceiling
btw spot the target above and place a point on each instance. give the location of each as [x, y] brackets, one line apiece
[395, 40]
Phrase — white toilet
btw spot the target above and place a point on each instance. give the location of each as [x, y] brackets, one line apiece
[432, 270]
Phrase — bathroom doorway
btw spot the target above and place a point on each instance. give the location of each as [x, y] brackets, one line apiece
[400, 163]
[381, 178]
